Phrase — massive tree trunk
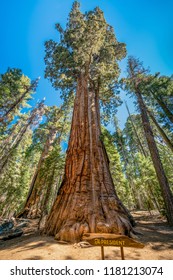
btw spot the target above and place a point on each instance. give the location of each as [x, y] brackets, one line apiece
[163, 182]
[86, 200]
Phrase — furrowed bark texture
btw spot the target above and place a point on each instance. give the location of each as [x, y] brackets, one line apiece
[86, 200]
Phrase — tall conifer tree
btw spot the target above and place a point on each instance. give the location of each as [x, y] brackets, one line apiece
[85, 59]
[134, 84]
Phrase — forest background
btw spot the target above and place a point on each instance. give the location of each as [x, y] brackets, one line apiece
[146, 30]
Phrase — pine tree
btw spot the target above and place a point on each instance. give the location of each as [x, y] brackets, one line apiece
[158, 95]
[53, 131]
[32, 119]
[14, 180]
[128, 150]
[136, 73]
[136, 133]
[15, 91]
[161, 131]
[116, 169]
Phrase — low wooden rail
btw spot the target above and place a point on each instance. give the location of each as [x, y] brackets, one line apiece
[108, 239]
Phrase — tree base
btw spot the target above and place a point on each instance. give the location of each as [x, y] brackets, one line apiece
[71, 228]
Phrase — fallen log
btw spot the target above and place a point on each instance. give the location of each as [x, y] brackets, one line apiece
[6, 226]
[11, 235]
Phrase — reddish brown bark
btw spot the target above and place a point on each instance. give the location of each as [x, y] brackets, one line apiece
[86, 200]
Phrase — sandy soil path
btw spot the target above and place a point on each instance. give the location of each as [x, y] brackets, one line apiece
[156, 235]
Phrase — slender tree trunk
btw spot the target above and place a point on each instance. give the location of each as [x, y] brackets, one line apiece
[161, 131]
[16, 143]
[133, 190]
[86, 200]
[164, 107]
[19, 100]
[136, 194]
[164, 185]
[136, 133]
[48, 194]
[9, 143]
[11, 135]
[142, 149]
[31, 208]
[35, 113]
[48, 199]
[155, 202]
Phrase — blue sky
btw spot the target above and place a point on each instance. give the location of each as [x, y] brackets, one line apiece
[146, 26]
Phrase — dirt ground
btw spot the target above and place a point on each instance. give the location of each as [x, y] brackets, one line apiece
[155, 234]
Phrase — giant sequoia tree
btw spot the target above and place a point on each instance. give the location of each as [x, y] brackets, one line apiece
[85, 59]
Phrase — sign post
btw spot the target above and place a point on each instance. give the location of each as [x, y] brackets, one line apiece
[108, 239]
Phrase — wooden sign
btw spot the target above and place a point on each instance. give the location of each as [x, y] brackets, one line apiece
[108, 239]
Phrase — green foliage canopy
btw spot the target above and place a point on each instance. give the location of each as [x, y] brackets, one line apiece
[88, 45]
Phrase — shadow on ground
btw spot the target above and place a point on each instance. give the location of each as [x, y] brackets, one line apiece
[154, 233]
